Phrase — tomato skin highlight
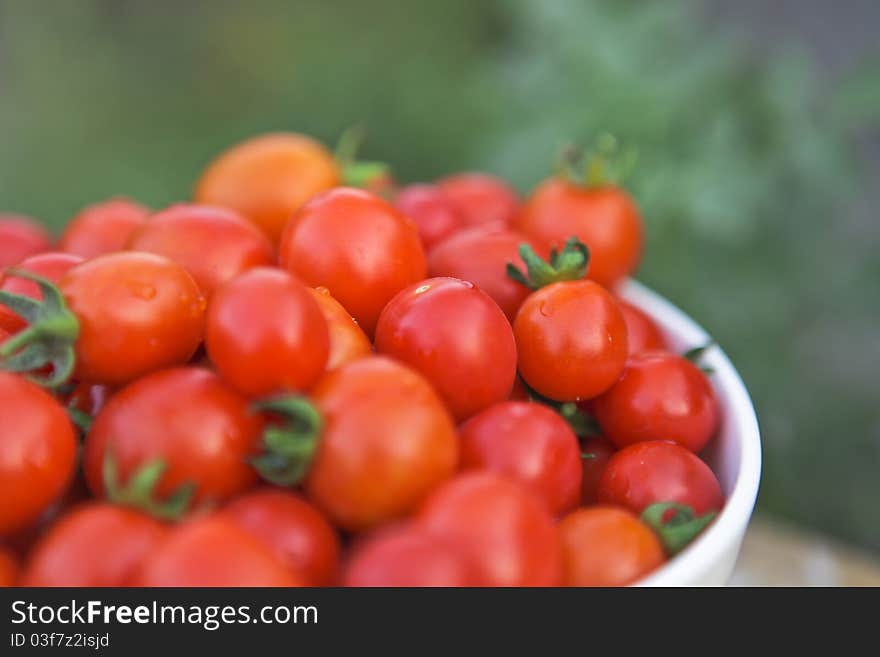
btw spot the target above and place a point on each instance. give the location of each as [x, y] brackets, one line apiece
[267, 178]
[213, 244]
[405, 556]
[348, 342]
[266, 334]
[604, 218]
[213, 552]
[37, 452]
[456, 337]
[529, 443]
[295, 531]
[95, 544]
[506, 533]
[356, 245]
[480, 255]
[642, 332]
[607, 546]
[387, 442]
[203, 430]
[571, 340]
[103, 227]
[51, 265]
[138, 312]
[592, 468]
[436, 216]
[660, 396]
[480, 197]
[21, 237]
[659, 471]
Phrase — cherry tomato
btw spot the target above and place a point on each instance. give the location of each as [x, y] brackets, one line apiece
[661, 396]
[20, 238]
[138, 312]
[571, 339]
[357, 246]
[9, 571]
[606, 546]
[37, 452]
[213, 552]
[605, 218]
[592, 468]
[347, 340]
[519, 392]
[659, 471]
[505, 531]
[103, 227]
[213, 244]
[387, 442]
[529, 443]
[405, 556]
[456, 337]
[266, 334]
[267, 178]
[435, 215]
[96, 544]
[51, 265]
[293, 529]
[642, 332]
[481, 198]
[480, 255]
[188, 418]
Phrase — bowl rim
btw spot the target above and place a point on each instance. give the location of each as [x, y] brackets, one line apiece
[726, 532]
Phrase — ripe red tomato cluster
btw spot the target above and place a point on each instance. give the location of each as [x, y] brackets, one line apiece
[291, 381]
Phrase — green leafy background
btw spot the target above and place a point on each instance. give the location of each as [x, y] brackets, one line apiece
[751, 174]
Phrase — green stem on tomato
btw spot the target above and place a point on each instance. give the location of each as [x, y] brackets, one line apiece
[677, 530]
[289, 447]
[570, 264]
[139, 492]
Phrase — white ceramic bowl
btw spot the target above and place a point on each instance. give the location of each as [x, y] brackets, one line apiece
[734, 454]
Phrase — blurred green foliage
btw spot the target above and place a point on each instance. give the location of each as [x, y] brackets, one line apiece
[747, 171]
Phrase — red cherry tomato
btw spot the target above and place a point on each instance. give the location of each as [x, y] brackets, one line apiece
[604, 218]
[293, 529]
[642, 332]
[435, 215]
[504, 531]
[529, 443]
[659, 471]
[9, 571]
[103, 227]
[51, 265]
[407, 557]
[457, 337]
[213, 552]
[213, 244]
[387, 442]
[20, 238]
[357, 246]
[519, 392]
[592, 468]
[266, 334]
[96, 544]
[137, 313]
[347, 341]
[480, 255]
[201, 429]
[606, 546]
[37, 452]
[571, 339]
[481, 198]
[661, 396]
[267, 178]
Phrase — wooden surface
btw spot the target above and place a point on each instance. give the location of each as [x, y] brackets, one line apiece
[774, 554]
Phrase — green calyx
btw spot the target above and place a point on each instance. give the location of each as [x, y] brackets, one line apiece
[680, 528]
[582, 423]
[606, 163]
[357, 173]
[570, 264]
[289, 446]
[696, 354]
[139, 492]
[49, 337]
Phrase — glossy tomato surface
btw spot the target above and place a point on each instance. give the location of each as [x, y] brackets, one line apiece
[348, 341]
[356, 245]
[480, 197]
[103, 227]
[20, 238]
[51, 265]
[456, 337]
[642, 332]
[435, 215]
